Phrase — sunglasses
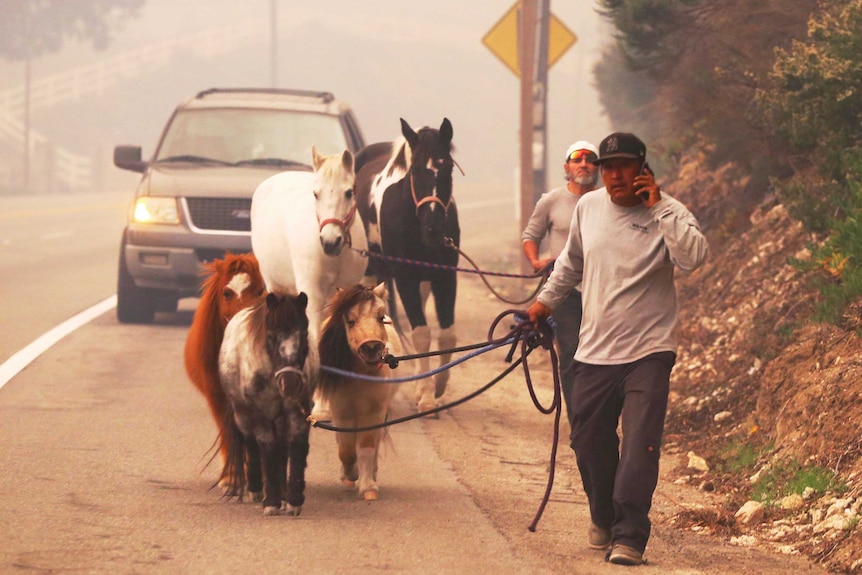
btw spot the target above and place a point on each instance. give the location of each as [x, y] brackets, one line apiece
[579, 155]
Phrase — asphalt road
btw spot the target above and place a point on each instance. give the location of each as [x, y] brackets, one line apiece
[104, 442]
[104, 447]
[58, 255]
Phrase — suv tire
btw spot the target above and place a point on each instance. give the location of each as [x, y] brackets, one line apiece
[134, 304]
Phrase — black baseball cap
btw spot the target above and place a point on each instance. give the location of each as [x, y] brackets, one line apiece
[621, 145]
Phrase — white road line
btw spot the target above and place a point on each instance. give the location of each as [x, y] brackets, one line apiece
[56, 236]
[12, 366]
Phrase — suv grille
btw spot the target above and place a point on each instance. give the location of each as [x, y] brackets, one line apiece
[223, 214]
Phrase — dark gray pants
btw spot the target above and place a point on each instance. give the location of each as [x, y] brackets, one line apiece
[620, 483]
[566, 321]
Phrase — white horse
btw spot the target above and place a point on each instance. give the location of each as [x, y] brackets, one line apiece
[301, 223]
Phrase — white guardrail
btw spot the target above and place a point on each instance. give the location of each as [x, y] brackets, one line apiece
[74, 170]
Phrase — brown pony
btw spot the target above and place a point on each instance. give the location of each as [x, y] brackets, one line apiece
[229, 286]
[354, 338]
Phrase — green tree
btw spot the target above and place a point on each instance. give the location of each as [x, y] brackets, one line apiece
[684, 75]
[698, 61]
[32, 28]
[814, 99]
[814, 102]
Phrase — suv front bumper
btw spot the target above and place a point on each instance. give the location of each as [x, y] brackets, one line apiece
[170, 257]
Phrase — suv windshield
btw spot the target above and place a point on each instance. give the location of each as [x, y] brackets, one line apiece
[250, 136]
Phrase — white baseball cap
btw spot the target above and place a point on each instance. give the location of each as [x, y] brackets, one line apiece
[581, 145]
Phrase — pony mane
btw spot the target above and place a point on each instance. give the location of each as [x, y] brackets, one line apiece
[263, 317]
[401, 158]
[426, 139]
[207, 329]
[284, 313]
[332, 167]
[334, 348]
[257, 325]
[214, 273]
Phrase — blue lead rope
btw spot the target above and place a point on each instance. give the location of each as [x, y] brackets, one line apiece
[472, 354]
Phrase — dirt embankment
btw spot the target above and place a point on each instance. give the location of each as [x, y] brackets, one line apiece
[759, 388]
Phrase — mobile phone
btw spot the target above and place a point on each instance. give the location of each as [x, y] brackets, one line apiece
[644, 196]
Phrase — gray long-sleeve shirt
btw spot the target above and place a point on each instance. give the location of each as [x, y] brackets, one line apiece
[552, 216]
[624, 259]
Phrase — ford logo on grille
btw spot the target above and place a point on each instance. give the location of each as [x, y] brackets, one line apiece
[241, 214]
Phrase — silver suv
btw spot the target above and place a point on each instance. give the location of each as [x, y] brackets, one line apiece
[193, 201]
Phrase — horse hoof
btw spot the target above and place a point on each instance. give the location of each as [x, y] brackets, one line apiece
[272, 510]
[350, 484]
[422, 407]
[370, 495]
[293, 511]
[435, 415]
[255, 496]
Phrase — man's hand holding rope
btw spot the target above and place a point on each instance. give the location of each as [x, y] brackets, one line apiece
[538, 312]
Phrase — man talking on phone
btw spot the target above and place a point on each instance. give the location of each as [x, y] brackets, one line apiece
[625, 242]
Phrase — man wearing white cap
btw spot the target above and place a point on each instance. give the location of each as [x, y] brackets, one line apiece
[552, 217]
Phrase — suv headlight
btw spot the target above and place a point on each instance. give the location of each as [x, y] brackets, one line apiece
[155, 210]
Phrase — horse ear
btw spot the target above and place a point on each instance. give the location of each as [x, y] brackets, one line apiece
[302, 300]
[347, 160]
[446, 130]
[217, 266]
[409, 134]
[316, 158]
[380, 291]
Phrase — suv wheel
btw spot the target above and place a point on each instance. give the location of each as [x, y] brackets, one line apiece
[134, 304]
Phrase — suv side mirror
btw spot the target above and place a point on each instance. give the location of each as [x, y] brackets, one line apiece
[129, 158]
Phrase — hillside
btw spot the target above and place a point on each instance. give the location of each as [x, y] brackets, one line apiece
[767, 398]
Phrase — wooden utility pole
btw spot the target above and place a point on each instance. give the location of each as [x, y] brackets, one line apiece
[533, 63]
[526, 62]
[540, 102]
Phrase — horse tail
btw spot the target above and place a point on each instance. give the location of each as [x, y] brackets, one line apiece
[200, 354]
[232, 443]
[204, 341]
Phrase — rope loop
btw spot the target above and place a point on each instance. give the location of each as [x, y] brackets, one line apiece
[530, 335]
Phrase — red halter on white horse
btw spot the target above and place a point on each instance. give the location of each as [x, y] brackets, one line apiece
[343, 224]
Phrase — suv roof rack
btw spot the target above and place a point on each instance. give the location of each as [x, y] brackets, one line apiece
[325, 97]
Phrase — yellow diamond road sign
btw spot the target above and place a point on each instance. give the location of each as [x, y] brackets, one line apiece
[502, 39]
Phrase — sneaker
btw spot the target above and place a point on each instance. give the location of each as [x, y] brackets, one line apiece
[599, 538]
[625, 555]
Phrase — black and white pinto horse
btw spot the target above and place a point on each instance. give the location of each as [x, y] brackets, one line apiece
[404, 196]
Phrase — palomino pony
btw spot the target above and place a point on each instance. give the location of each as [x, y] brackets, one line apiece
[300, 225]
[404, 196]
[230, 285]
[355, 337]
[263, 371]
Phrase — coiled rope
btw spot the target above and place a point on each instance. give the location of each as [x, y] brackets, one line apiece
[530, 336]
